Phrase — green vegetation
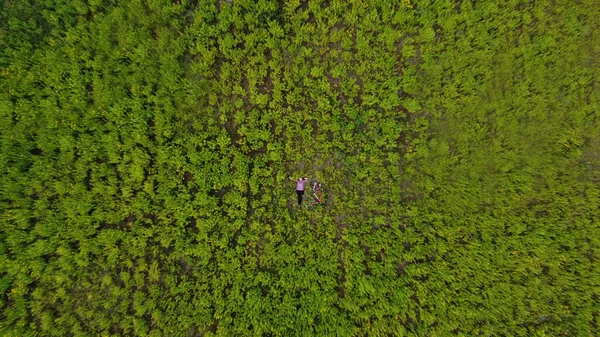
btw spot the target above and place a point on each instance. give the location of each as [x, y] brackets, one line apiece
[146, 148]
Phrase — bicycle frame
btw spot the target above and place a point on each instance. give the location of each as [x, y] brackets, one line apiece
[316, 194]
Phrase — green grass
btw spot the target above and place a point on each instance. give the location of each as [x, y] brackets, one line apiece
[145, 150]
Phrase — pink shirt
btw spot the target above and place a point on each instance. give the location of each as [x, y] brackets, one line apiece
[300, 184]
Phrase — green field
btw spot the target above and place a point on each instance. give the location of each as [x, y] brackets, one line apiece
[146, 148]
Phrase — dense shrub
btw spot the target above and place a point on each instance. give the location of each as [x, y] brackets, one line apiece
[146, 148]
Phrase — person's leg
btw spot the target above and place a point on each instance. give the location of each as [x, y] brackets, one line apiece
[300, 193]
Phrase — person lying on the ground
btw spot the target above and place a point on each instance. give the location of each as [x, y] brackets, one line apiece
[299, 188]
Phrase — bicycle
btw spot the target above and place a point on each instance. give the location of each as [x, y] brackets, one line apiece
[316, 194]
